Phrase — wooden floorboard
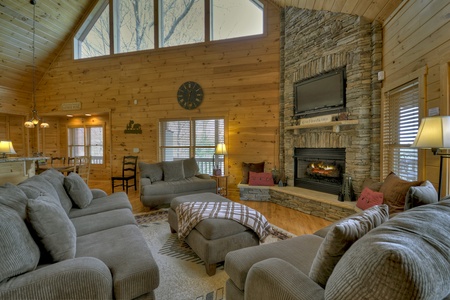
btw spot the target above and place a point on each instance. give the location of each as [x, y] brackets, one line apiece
[288, 219]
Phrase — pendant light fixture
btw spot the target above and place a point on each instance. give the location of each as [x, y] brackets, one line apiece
[34, 114]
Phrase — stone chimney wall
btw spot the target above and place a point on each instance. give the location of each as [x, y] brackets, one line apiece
[315, 42]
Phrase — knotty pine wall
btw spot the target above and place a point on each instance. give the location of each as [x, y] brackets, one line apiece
[240, 80]
[416, 38]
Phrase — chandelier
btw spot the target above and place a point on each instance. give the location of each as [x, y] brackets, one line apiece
[34, 114]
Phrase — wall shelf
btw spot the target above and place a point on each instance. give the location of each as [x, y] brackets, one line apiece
[335, 124]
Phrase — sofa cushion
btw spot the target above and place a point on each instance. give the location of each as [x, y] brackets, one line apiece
[37, 186]
[53, 227]
[421, 195]
[56, 179]
[18, 251]
[394, 191]
[341, 237]
[247, 167]
[173, 170]
[78, 190]
[190, 167]
[405, 258]
[177, 187]
[133, 269]
[102, 221]
[15, 198]
[114, 201]
[152, 171]
[369, 198]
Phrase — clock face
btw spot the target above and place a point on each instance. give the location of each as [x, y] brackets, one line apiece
[190, 95]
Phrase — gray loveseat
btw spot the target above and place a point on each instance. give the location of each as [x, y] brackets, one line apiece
[161, 182]
[61, 240]
[365, 256]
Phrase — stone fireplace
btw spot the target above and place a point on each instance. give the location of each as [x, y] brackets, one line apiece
[320, 41]
[319, 169]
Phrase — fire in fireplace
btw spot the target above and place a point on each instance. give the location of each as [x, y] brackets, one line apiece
[319, 169]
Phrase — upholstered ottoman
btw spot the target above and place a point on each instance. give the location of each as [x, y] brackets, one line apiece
[212, 239]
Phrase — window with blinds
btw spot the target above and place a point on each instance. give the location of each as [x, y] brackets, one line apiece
[400, 126]
[180, 139]
[86, 141]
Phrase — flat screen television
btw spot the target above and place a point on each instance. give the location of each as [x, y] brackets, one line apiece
[320, 95]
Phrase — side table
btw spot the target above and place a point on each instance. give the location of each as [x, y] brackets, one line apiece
[221, 184]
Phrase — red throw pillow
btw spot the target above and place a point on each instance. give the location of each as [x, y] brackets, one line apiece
[264, 179]
[369, 198]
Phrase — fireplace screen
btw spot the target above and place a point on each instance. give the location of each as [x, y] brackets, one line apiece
[319, 169]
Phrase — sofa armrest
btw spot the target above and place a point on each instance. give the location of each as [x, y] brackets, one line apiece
[203, 176]
[145, 181]
[275, 278]
[98, 193]
[81, 278]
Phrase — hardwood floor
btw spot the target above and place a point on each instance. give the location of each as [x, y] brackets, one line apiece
[289, 219]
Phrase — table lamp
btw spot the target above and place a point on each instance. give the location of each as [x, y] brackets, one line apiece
[221, 149]
[434, 134]
[6, 147]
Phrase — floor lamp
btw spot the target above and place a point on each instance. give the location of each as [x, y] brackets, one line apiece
[434, 134]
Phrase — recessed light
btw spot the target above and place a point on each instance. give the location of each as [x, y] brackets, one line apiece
[87, 115]
[70, 116]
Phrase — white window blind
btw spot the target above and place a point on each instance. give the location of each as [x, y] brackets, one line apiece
[180, 139]
[400, 125]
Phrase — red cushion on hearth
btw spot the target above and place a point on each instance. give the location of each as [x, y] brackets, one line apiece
[264, 179]
[369, 198]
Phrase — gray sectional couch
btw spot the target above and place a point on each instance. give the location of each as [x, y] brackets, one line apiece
[61, 240]
[161, 182]
[365, 256]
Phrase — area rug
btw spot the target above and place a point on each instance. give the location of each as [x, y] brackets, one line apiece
[182, 272]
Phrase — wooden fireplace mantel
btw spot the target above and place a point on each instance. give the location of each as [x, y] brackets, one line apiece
[335, 124]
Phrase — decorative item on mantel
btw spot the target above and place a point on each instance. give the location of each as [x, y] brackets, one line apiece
[347, 192]
[34, 114]
[133, 128]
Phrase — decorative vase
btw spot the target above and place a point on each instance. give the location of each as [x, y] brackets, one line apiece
[347, 192]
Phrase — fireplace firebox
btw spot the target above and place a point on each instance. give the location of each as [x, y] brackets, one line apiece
[319, 169]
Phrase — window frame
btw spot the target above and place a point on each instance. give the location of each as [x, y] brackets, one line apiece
[86, 142]
[192, 139]
[98, 9]
[420, 76]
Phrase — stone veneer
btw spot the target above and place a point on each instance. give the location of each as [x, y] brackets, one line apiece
[314, 42]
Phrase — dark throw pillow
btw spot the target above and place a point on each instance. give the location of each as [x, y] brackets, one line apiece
[251, 167]
[394, 191]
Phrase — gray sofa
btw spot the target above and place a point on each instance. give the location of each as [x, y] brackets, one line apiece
[161, 182]
[61, 240]
[365, 256]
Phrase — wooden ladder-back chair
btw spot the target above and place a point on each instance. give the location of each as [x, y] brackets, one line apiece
[83, 167]
[56, 159]
[129, 164]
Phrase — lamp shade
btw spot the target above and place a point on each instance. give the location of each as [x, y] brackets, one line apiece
[221, 149]
[6, 147]
[434, 133]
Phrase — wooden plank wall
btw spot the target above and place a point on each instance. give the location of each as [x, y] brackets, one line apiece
[240, 79]
[11, 129]
[416, 36]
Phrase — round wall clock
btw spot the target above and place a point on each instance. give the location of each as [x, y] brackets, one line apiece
[190, 95]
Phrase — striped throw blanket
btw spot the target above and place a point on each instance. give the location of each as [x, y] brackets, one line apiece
[191, 213]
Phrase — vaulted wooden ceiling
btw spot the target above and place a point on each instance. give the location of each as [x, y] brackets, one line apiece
[57, 19]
